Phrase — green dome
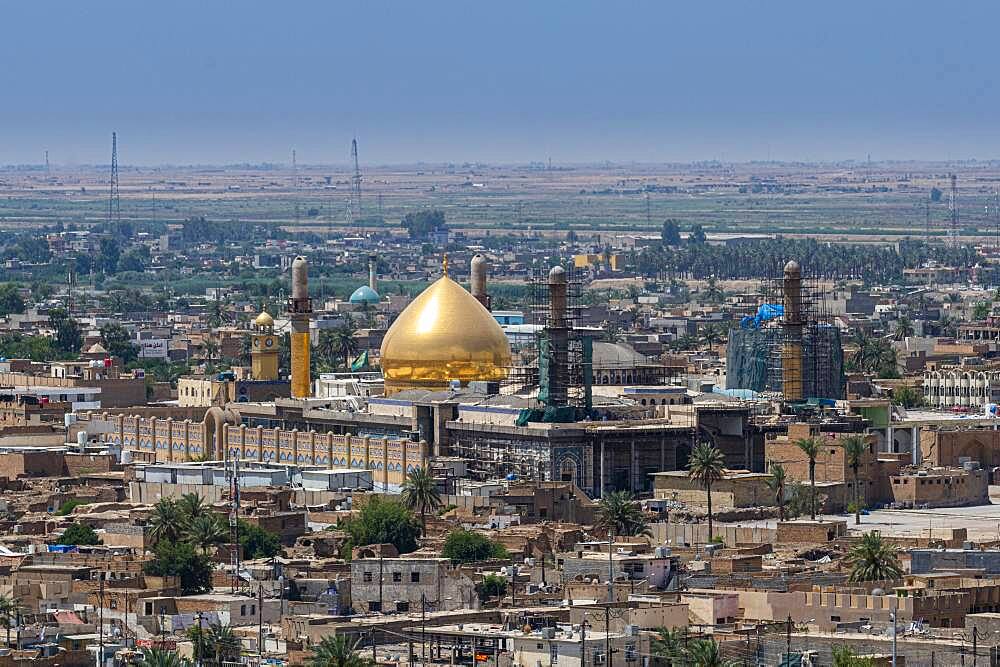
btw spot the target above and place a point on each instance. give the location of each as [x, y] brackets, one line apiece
[364, 294]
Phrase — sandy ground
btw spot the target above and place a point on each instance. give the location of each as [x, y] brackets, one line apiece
[982, 522]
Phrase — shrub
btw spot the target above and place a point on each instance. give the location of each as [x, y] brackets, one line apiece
[466, 546]
[80, 535]
[68, 506]
[257, 542]
[492, 585]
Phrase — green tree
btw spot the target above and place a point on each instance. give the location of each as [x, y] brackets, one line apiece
[907, 396]
[671, 234]
[338, 651]
[873, 559]
[466, 546]
[166, 523]
[206, 530]
[492, 586]
[181, 559]
[619, 513]
[420, 224]
[69, 338]
[224, 644]
[706, 466]
[192, 506]
[110, 254]
[118, 342]
[811, 448]
[80, 535]
[155, 657]
[855, 447]
[346, 341]
[10, 299]
[383, 521]
[706, 653]
[420, 494]
[904, 329]
[697, 235]
[981, 310]
[844, 656]
[257, 542]
[668, 645]
[776, 485]
[9, 609]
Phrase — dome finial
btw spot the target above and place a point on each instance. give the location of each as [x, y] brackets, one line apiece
[444, 264]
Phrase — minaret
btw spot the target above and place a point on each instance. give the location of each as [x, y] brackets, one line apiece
[373, 273]
[791, 351]
[477, 282]
[299, 311]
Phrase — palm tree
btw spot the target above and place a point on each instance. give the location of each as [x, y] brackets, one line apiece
[706, 466]
[224, 644]
[810, 447]
[8, 611]
[619, 514]
[420, 494]
[211, 349]
[706, 653]
[855, 447]
[668, 646]
[347, 344]
[327, 349]
[904, 329]
[711, 335]
[192, 506]
[155, 657]
[873, 559]
[206, 530]
[776, 484]
[338, 651]
[166, 522]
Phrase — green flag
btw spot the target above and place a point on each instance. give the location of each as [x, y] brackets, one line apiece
[359, 362]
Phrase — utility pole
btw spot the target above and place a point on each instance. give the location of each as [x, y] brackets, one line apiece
[260, 622]
[892, 617]
[201, 641]
[423, 629]
[583, 642]
[788, 641]
[100, 622]
[380, 610]
[607, 631]
[611, 567]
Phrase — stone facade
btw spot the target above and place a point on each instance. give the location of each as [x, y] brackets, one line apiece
[410, 584]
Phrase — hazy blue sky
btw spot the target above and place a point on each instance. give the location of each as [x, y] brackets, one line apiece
[213, 82]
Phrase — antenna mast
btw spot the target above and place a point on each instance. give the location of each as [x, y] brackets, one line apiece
[953, 232]
[114, 201]
[295, 186]
[356, 183]
[234, 526]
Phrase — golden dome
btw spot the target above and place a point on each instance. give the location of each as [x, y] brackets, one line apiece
[444, 334]
[264, 320]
